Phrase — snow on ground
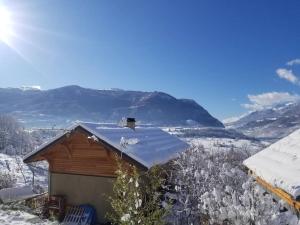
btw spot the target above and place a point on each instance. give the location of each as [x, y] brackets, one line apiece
[21, 172]
[218, 139]
[224, 144]
[20, 217]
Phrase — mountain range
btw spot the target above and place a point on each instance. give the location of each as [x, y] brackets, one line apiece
[271, 123]
[60, 106]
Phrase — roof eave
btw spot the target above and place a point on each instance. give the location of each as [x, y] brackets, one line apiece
[278, 192]
[29, 157]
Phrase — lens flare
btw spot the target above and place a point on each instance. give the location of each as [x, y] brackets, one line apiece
[6, 25]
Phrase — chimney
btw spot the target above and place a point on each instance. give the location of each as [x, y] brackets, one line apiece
[130, 122]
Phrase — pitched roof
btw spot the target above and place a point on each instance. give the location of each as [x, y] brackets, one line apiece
[146, 145]
[279, 164]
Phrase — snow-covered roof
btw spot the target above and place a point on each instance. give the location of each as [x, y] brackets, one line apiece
[16, 194]
[146, 145]
[279, 164]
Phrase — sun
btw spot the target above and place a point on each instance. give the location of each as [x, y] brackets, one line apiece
[6, 25]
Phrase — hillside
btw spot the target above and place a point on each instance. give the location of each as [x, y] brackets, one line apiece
[63, 105]
[272, 123]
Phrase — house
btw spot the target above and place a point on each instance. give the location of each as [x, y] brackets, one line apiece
[277, 169]
[82, 160]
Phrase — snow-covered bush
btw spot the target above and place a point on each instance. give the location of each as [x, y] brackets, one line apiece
[13, 138]
[40, 136]
[6, 180]
[212, 188]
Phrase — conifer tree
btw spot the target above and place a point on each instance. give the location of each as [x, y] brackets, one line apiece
[137, 196]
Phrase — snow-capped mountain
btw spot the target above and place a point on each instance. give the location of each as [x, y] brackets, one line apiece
[62, 105]
[271, 123]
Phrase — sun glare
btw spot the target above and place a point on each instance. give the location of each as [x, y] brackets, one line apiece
[6, 23]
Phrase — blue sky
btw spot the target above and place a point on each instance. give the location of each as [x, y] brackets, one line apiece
[216, 52]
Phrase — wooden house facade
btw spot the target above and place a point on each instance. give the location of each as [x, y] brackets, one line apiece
[82, 160]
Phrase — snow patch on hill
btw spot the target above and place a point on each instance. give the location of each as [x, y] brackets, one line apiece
[31, 88]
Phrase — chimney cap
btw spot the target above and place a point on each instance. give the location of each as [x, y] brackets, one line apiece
[130, 119]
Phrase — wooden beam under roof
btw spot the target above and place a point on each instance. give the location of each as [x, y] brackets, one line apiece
[278, 192]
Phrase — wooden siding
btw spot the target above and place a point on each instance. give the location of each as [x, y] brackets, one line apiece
[278, 192]
[77, 154]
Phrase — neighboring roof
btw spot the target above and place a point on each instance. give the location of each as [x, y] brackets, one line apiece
[146, 145]
[279, 164]
[16, 194]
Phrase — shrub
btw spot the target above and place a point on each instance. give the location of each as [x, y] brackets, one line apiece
[212, 187]
[137, 196]
[6, 180]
